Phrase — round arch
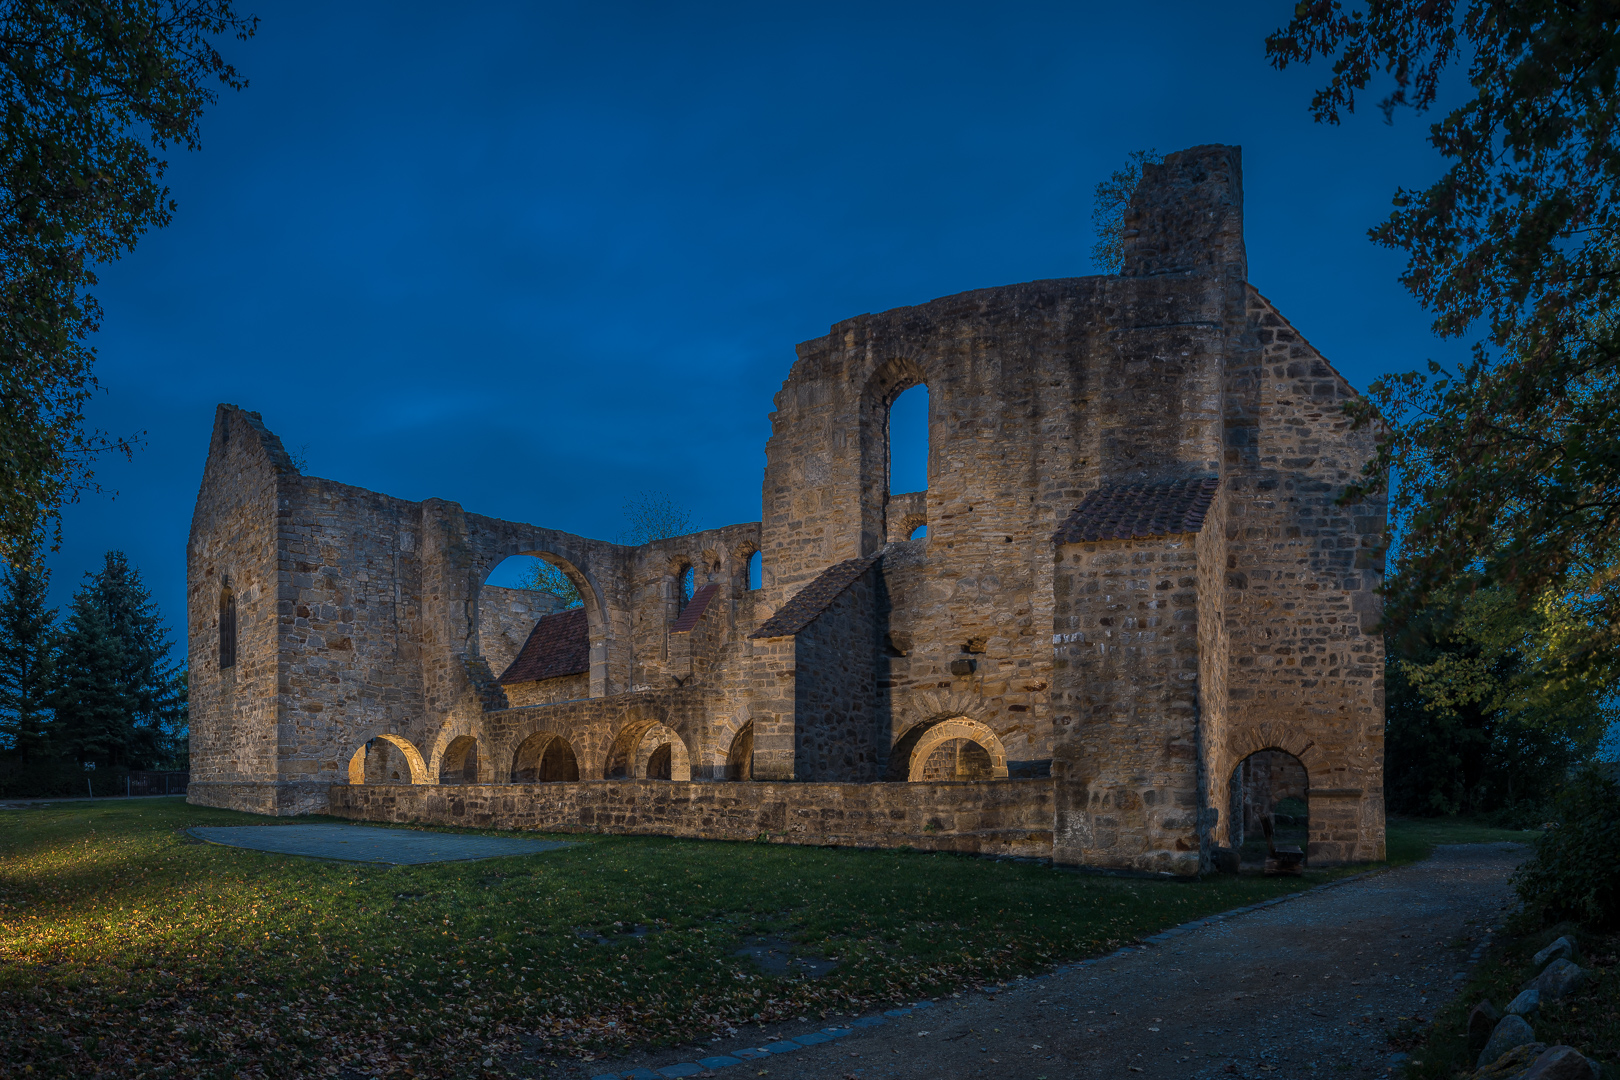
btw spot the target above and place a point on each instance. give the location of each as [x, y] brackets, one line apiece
[660, 751]
[740, 754]
[453, 729]
[544, 757]
[911, 750]
[577, 570]
[887, 382]
[412, 757]
[461, 761]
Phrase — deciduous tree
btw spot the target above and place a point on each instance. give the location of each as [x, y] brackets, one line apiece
[92, 93]
[1510, 466]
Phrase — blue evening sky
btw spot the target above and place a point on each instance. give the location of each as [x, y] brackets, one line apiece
[537, 258]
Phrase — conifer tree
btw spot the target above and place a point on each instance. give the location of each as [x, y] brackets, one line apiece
[27, 652]
[119, 695]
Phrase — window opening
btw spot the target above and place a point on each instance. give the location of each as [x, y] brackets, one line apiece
[756, 570]
[688, 585]
[908, 441]
[227, 629]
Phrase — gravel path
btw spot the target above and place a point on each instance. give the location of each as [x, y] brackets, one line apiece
[1311, 987]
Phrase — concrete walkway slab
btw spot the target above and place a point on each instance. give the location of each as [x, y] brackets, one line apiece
[361, 843]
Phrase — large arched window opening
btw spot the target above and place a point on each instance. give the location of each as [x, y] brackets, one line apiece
[896, 457]
[541, 632]
[908, 442]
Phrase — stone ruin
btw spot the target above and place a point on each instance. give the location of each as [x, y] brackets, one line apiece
[1137, 572]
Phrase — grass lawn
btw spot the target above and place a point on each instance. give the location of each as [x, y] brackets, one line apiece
[126, 946]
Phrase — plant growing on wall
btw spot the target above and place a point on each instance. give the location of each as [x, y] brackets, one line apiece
[1113, 198]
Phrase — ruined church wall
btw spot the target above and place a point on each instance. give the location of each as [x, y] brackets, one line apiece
[234, 710]
[350, 606]
[548, 691]
[1306, 670]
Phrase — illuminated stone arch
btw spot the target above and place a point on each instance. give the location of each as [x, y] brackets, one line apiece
[412, 756]
[921, 741]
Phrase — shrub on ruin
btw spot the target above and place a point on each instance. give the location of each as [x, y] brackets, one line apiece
[1575, 873]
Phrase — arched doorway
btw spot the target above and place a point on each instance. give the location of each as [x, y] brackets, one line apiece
[1269, 788]
[459, 765]
[740, 757]
[544, 758]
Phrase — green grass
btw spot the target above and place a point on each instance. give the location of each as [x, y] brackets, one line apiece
[123, 940]
[1409, 840]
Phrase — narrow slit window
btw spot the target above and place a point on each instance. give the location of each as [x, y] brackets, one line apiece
[227, 629]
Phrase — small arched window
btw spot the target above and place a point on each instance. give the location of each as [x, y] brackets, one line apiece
[227, 629]
[756, 570]
[688, 587]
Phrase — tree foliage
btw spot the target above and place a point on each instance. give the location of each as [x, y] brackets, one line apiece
[653, 515]
[550, 578]
[1113, 198]
[92, 92]
[1574, 874]
[119, 697]
[1510, 466]
[1484, 710]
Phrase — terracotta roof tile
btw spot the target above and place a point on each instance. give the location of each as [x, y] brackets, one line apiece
[694, 609]
[815, 598]
[559, 644]
[1133, 511]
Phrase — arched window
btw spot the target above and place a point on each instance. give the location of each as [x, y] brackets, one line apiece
[908, 441]
[227, 628]
[756, 570]
[688, 587]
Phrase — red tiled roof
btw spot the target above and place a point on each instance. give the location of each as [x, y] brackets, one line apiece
[694, 609]
[559, 644]
[815, 597]
[1133, 511]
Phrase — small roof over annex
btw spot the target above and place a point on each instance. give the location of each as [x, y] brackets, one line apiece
[559, 644]
[1139, 511]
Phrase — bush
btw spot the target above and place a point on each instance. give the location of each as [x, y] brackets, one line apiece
[1575, 873]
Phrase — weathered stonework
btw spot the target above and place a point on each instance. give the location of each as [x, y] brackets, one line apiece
[1136, 573]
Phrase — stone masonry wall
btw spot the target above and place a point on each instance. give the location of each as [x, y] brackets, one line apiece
[1127, 771]
[1306, 672]
[505, 617]
[232, 544]
[836, 730]
[999, 818]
